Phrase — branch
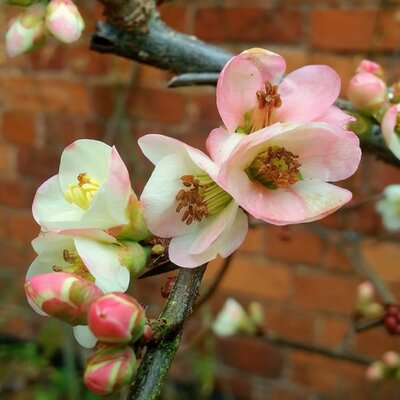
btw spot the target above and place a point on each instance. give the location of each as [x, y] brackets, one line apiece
[312, 348]
[159, 355]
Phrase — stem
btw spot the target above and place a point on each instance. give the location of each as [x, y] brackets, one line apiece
[157, 360]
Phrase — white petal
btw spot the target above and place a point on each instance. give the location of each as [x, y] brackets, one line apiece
[84, 336]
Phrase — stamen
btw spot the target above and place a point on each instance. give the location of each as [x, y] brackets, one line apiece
[276, 167]
[77, 267]
[200, 198]
[82, 193]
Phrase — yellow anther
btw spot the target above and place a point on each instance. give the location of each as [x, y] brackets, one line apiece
[82, 193]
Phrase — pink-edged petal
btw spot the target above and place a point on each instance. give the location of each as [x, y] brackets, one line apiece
[335, 116]
[109, 205]
[220, 144]
[212, 227]
[84, 156]
[388, 126]
[84, 336]
[35, 307]
[239, 81]
[326, 152]
[51, 210]
[229, 240]
[307, 93]
[156, 147]
[103, 263]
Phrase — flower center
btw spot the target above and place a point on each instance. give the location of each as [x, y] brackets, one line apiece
[260, 117]
[77, 267]
[200, 198]
[83, 192]
[274, 168]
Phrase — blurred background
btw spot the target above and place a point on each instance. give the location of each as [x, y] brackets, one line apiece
[301, 275]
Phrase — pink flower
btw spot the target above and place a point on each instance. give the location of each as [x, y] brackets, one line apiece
[64, 21]
[117, 318]
[367, 92]
[371, 67]
[91, 190]
[62, 295]
[252, 93]
[183, 200]
[390, 129]
[26, 32]
[110, 368]
[279, 173]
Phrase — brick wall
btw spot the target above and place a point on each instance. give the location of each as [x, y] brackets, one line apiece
[59, 94]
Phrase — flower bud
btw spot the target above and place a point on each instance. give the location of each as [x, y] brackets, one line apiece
[375, 372]
[116, 318]
[110, 368]
[391, 359]
[26, 32]
[365, 292]
[62, 295]
[371, 67]
[136, 229]
[133, 256]
[64, 21]
[367, 92]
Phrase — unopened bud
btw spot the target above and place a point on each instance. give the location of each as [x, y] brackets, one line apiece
[365, 292]
[64, 21]
[391, 359]
[116, 318]
[136, 229]
[375, 372]
[360, 125]
[147, 334]
[110, 368]
[133, 256]
[63, 296]
[26, 32]
[371, 67]
[367, 92]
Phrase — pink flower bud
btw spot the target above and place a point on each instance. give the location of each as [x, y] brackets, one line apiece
[371, 67]
[64, 21]
[365, 291]
[110, 368]
[391, 359]
[116, 318]
[26, 32]
[62, 295]
[367, 92]
[375, 372]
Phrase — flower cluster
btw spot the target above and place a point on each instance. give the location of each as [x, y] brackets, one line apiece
[283, 140]
[389, 367]
[91, 225]
[28, 30]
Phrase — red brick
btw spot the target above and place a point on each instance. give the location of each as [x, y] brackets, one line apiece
[19, 127]
[339, 29]
[203, 108]
[334, 331]
[60, 131]
[16, 255]
[325, 293]
[374, 342]
[252, 355]
[22, 227]
[15, 193]
[51, 56]
[296, 244]
[248, 24]
[152, 77]
[335, 260]
[156, 105]
[83, 61]
[49, 95]
[287, 394]
[257, 278]
[7, 159]
[174, 16]
[38, 163]
[255, 241]
[290, 323]
[234, 386]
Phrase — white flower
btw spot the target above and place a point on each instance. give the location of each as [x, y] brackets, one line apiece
[389, 207]
[231, 319]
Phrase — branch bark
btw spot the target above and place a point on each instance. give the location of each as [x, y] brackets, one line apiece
[159, 355]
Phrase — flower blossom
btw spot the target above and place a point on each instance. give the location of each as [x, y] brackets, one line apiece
[183, 200]
[91, 191]
[389, 207]
[26, 31]
[391, 129]
[252, 93]
[280, 173]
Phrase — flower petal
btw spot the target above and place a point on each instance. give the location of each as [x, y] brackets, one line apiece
[308, 93]
[388, 126]
[84, 336]
[335, 116]
[241, 78]
[103, 263]
[220, 144]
